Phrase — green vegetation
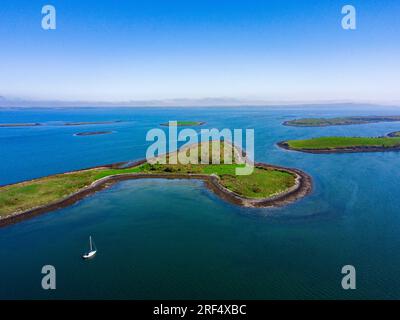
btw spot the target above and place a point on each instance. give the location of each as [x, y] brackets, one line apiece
[185, 123]
[38, 192]
[326, 143]
[261, 183]
[25, 195]
[325, 122]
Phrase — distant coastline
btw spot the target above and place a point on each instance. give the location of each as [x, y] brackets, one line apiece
[185, 102]
[394, 134]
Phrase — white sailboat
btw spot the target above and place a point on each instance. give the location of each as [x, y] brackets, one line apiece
[92, 251]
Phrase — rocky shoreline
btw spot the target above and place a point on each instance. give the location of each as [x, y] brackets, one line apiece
[394, 134]
[302, 187]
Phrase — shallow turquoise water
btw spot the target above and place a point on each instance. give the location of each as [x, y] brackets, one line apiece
[175, 239]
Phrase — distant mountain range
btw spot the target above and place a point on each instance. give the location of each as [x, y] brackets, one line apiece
[180, 102]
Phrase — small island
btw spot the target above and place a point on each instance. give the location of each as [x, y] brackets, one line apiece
[394, 134]
[344, 144]
[14, 125]
[184, 123]
[267, 186]
[342, 121]
[92, 133]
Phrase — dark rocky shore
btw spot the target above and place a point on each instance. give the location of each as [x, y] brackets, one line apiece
[16, 125]
[394, 134]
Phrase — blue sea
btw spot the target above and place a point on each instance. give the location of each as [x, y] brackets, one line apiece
[174, 239]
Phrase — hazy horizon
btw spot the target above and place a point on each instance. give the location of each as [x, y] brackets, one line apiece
[185, 103]
[242, 52]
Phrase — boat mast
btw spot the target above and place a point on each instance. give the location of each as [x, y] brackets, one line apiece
[90, 240]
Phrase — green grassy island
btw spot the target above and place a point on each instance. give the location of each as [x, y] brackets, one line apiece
[185, 123]
[325, 122]
[267, 186]
[343, 144]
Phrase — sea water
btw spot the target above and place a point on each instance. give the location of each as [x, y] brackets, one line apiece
[174, 239]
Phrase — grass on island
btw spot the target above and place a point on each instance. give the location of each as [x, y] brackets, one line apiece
[184, 123]
[84, 123]
[324, 122]
[323, 143]
[38, 192]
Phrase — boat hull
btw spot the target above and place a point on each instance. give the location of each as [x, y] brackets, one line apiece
[89, 255]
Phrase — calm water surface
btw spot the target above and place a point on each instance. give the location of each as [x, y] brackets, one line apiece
[175, 239]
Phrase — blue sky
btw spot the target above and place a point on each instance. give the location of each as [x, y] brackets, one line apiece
[287, 50]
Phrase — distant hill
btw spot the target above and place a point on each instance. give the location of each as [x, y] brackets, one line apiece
[8, 102]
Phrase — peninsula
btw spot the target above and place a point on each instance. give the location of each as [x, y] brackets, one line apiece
[344, 144]
[267, 186]
[342, 121]
[394, 134]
